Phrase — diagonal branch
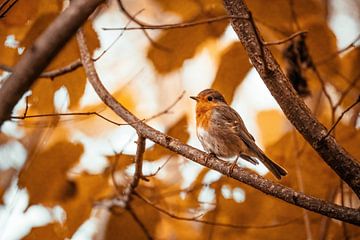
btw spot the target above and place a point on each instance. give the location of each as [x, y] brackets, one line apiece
[39, 55]
[294, 107]
[266, 186]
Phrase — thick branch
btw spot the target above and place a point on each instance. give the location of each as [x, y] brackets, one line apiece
[268, 187]
[293, 106]
[40, 54]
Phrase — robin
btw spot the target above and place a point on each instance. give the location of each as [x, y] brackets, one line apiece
[222, 132]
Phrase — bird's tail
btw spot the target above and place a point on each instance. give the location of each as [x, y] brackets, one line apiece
[273, 167]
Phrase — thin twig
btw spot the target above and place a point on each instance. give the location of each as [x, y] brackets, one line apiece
[2, 15]
[343, 224]
[332, 55]
[139, 222]
[52, 73]
[176, 25]
[325, 221]
[158, 170]
[300, 181]
[323, 87]
[166, 110]
[117, 38]
[196, 218]
[342, 115]
[291, 37]
[293, 15]
[68, 114]
[347, 90]
[135, 20]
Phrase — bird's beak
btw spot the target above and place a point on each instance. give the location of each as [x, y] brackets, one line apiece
[194, 98]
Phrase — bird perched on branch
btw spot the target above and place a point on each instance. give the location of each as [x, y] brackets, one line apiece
[222, 132]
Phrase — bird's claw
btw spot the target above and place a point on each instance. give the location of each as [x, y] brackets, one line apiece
[231, 168]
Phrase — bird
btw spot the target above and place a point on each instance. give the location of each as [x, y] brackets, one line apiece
[222, 132]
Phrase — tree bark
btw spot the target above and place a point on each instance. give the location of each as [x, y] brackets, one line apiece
[292, 105]
[40, 54]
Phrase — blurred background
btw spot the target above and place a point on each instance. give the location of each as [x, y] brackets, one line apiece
[57, 171]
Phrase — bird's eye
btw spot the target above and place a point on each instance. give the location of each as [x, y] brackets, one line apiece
[209, 98]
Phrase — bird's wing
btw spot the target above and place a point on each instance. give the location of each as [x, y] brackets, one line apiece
[226, 116]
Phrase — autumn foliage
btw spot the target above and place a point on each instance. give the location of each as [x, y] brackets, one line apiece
[82, 162]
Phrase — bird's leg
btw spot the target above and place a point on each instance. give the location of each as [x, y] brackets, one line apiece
[232, 166]
[209, 155]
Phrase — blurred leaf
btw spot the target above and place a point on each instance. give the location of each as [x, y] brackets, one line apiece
[180, 44]
[277, 14]
[272, 124]
[45, 174]
[88, 190]
[234, 65]
[20, 13]
[44, 89]
[124, 226]
[350, 77]
[53, 231]
[177, 45]
[186, 9]
[189, 8]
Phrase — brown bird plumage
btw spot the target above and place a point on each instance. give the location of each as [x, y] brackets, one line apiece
[222, 132]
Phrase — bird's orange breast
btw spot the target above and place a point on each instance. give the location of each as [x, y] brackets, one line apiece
[203, 115]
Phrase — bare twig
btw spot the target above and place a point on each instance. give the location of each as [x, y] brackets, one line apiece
[325, 221]
[300, 181]
[159, 168]
[139, 222]
[332, 55]
[196, 218]
[342, 115]
[347, 90]
[40, 54]
[324, 90]
[175, 25]
[117, 38]
[293, 15]
[135, 20]
[291, 37]
[166, 110]
[52, 73]
[275, 189]
[68, 114]
[3, 14]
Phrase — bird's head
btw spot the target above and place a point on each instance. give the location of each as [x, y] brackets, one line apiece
[207, 99]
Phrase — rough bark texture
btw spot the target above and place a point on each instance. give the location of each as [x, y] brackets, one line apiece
[275, 189]
[292, 105]
[39, 55]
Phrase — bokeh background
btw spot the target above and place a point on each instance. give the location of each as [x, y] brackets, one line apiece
[56, 171]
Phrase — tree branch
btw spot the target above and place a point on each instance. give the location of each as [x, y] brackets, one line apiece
[219, 224]
[243, 175]
[40, 54]
[293, 106]
[342, 115]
